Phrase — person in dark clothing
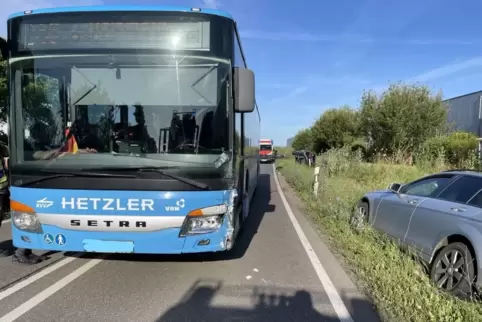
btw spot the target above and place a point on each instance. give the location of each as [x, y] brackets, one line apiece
[140, 133]
[4, 198]
[21, 255]
[25, 256]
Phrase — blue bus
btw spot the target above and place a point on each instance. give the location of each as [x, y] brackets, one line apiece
[131, 129]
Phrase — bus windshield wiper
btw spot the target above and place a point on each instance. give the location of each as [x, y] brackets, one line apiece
[196, 184]
[94, 86]
[63, 174]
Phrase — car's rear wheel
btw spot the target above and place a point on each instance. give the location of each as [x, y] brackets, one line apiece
[359, 216]
[453, 270]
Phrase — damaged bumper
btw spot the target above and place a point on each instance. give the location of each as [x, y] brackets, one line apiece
[166, 241]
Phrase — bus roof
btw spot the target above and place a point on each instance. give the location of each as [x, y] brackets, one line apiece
[120, 8]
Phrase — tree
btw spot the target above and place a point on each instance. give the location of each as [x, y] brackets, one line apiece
[302, 140]
[402, 117]
[335, 128]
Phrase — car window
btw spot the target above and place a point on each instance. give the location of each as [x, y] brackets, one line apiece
[427, 187]
[476, 200]
[462, 189]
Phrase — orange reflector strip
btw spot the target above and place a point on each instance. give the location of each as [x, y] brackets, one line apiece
[195, 213]
[20, 207]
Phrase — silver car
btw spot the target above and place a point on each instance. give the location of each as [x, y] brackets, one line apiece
[438, 218]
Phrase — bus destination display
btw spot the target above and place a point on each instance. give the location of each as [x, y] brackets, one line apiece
[115, 35]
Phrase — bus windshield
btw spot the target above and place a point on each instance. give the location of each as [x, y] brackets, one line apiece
[91, 110]
[265, 147]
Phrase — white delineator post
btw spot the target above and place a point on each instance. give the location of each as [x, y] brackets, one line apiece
[316, 183]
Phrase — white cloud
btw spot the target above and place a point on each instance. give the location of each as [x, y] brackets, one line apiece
[22, 5]
[300, 36]
[449, 69]
[297, 91]
[275, 85]
[346, 38]
[346, 80]
[213, 4]
[293, 93]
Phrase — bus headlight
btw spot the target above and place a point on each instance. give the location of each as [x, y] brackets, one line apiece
[26, 221]
[204, 220]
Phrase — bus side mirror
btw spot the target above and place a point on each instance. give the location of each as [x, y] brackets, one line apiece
[244, 90]
[3, 48]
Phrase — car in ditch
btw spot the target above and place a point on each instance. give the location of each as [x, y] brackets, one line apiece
[439, 219]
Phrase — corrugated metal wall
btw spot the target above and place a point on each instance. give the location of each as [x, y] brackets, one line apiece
[464, 113]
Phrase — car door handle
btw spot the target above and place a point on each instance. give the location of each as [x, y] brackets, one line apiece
[458, 209]
[413, 201]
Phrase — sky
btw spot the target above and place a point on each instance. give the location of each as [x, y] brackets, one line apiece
[312, 55]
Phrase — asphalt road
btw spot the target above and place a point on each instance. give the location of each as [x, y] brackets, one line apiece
[279, 271]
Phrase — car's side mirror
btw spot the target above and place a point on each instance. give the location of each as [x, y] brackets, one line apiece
[244, 90]
[394, 187]
[3, 48]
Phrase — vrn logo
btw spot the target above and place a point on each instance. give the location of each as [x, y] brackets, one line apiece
[179, 205]
[44, 203]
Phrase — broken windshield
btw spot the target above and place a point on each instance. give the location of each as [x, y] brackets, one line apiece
[156, 107]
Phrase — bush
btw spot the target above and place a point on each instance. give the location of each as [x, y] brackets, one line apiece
[399, 286]
[458, 149]
[402, 117]
[335, 128]
[461, 149]
[303, 140]
[360, 147]
[404, 123]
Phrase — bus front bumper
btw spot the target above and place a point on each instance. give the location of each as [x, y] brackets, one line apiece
[166, 241]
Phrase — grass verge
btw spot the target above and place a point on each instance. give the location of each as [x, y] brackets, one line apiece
[398, 285]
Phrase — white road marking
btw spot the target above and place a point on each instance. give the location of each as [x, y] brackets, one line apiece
[45, 294]
[17, 287]
[335, 299]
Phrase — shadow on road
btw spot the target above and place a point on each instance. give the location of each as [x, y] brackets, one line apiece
[253, 303]
[7, 247]
[260, 205]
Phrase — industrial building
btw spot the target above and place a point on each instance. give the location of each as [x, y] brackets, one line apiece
[289, 141]
[465, 113]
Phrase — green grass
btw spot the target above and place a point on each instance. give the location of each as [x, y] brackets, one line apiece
[399, 287]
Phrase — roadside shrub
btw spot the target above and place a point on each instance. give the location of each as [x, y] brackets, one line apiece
[359, 146]
[335, 128]
[462, 149]
[457, 149]
[402, 117]
[303, 140]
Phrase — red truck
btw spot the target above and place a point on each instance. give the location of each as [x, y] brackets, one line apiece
[266, 152]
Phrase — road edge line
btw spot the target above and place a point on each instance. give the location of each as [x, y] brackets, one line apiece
[330, 289]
